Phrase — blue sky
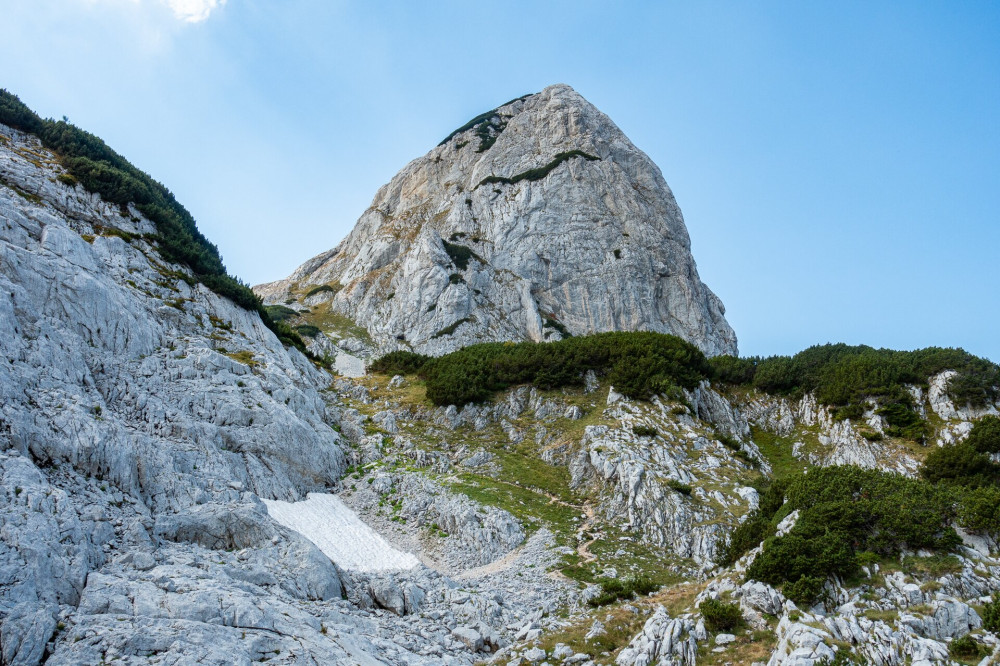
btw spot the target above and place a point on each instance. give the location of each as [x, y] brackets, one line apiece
[838, 163]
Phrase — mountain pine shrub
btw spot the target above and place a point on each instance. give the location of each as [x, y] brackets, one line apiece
[720, 616]
[104, 172]
[844, 512]
[846, 377]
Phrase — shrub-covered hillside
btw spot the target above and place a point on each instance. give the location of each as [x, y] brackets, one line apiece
[846, 377]
[101, 170]
[638, 365]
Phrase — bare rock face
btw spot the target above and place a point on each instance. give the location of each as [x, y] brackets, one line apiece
[536, 219]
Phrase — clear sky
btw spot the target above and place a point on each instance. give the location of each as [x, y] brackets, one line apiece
[838, 163]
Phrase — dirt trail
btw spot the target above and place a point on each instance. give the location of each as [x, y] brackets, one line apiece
[583, 550]
[496, 566]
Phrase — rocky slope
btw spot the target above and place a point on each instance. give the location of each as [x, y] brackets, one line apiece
[535, 219]
[630, 488]
[142, 420]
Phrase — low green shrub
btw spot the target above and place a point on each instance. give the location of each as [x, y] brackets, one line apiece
[845, 377]
[400, 363]
[539, 172]
[845, 511]
[727, 441]
[614, 589]
[307, 330]
[460, 255]
[483, 118]
[557, 325]
[979, 510]
[805, 590]
[732, 369]
[991, 614]
[280, 312]
[639, 365]
[985, 435]
[720, 616]
[682, 488]
[322, 289]
[968, 464]
[451, 328]
[967, 647]
[642, 430]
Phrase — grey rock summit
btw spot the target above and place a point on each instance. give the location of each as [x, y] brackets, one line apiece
[533, 220]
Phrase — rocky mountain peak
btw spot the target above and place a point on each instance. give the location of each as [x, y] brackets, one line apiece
[534, 220]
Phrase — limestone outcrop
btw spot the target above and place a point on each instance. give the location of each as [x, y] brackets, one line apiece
[536, 219]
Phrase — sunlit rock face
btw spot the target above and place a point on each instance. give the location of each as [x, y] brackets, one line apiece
[540, 219]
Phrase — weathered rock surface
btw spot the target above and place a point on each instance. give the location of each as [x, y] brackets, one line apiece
[450, 253]
[141, 421]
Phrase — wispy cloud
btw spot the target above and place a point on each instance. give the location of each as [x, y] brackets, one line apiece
[189, 11]
[194, 11]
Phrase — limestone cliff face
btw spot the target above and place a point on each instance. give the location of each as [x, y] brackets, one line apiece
[539, 217]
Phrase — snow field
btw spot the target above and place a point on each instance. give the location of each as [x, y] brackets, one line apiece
[340, 534]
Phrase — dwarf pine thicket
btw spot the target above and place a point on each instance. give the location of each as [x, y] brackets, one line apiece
[847, 516]
[639, 365]
[101, 170]
[847, 377]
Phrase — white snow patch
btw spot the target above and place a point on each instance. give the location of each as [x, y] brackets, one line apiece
[339, 533]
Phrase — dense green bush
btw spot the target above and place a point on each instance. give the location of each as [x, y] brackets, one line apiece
[613, 589]
[644, 431]
[732, 369]
[103, 171]
[985, 435]
[280, 312]
[846, 376]
[967, 647]
[805, 590]
[960, 464]
[460, 255]
[400, 363]
[720, 616]
[682, 488]
[639, 365]
[979, 510]
[844, 512]
[307, 330]
[991, 614]
[968, 463]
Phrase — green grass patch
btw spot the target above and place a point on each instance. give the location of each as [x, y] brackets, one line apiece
[531, 507]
